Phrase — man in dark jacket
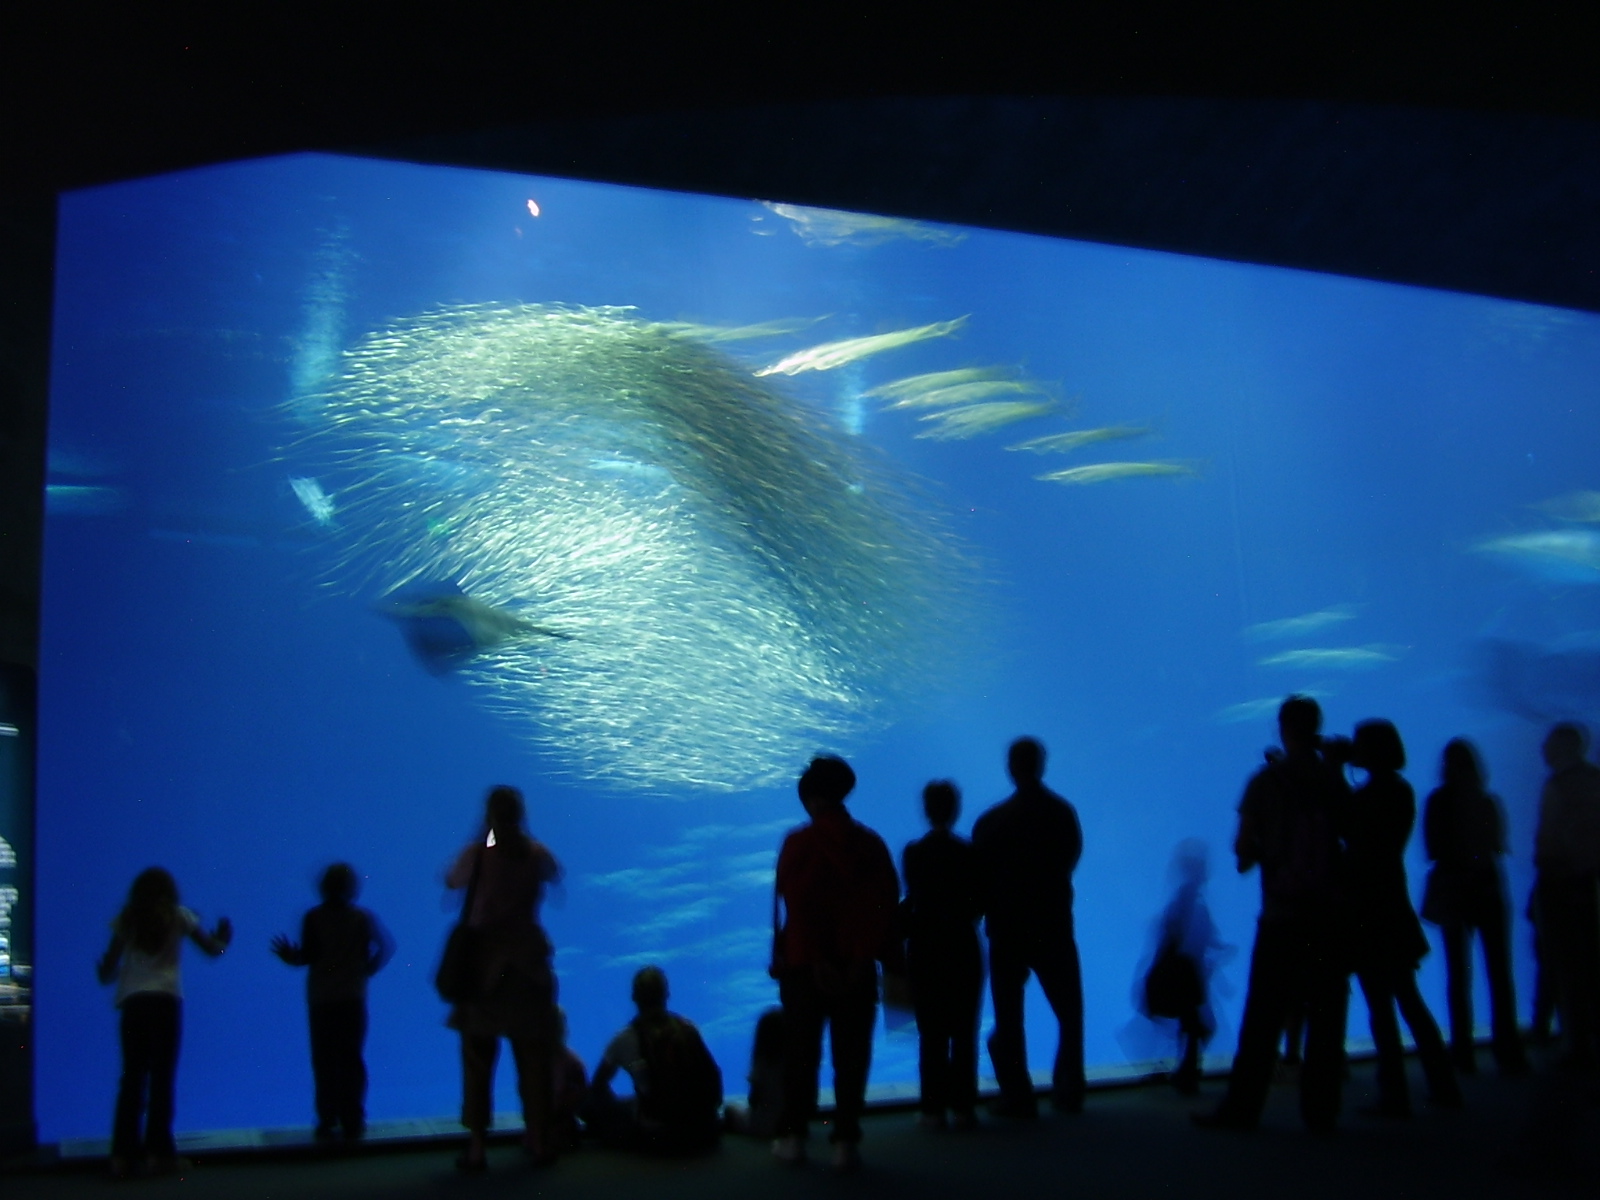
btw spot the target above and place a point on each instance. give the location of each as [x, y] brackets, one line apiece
[834, 910]
[1289, 824]
[1027, 847]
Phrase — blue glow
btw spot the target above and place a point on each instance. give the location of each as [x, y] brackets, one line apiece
[1118, 499]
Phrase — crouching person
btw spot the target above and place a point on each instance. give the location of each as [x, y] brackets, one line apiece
[677, 1085]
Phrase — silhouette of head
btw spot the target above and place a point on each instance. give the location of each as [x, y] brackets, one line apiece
[941, 803]
[1299, 722]
[505, 812]
[769, 1045]
[1025, 761]
[1565, 745]
[650, 989]
[1462, 766]
[152, 909]
[825, 783]
[1378, 746]
[339, 884]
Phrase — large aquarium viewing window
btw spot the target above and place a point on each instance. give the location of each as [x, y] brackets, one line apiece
[373, 485]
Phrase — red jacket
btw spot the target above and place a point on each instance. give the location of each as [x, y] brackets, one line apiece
[838, 891]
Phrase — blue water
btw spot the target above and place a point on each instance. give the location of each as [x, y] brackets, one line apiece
[220, 696]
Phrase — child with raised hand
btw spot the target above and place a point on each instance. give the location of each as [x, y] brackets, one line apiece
[344, 945]
[142, 960]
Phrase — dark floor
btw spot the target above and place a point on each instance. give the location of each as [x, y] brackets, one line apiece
[1130, 1142]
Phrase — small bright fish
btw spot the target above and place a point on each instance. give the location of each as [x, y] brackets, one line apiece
[1301, 626]
[533, 207]
[1347, 658]
[1105, 472]
[968, 393]
[1578, 507]
[1556, 555]
[932, 381]
[316, 501]
[739, 333]
[829, 355]
[830, 227]
[1255, 710]
[1075, 439]
[973, 419]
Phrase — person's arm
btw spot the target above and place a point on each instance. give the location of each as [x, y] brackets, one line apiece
[1500, 843]
[460, 873]
[106, 969]
[775, 963]
[380, 945]
[1074, 846]
[1433, 824]
[215, 941]
[288, 951]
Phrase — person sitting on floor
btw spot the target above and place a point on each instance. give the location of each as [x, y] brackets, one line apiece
[677, 1085]
[759, 1115]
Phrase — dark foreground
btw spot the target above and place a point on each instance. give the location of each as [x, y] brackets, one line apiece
[1130, 1142]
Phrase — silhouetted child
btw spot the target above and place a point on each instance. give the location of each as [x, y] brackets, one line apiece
[677, 1086]
[1177, 985]
[759, 1116]
[142, 958]
[944, 959]
[344, 946]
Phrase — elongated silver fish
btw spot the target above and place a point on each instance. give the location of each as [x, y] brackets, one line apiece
[831, 227]
[933, 381]
[829, 355]
[967, 393]
[1578, 507]
[1301, 626]
[739, 333]
[1345, 658]
[1076, 439]
[973, 419]
[1105, 472]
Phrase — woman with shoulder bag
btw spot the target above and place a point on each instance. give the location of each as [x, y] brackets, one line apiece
[496, 973]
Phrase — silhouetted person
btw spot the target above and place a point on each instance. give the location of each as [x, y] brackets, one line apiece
[344, 945]
[569, 1090]
[1028, 845]
[1567, 855]
[142, 959]
[944, 959]
[763, 1108]
[1464, 832]
[505, 872]
[834, 919]
[1542, 1023]
[1387, 941]
[1288, 826]
[677, 1086]
[1177, 983]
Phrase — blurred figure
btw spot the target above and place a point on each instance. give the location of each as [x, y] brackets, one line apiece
[1288, 826]
[1177, 985]
[1567, 856]
[677, 1086]
[834, 916]
[1541, 1026]
[763, 1108]
[1387, 939]
[1027, 848]
[344, 946]
[944, 959]
[1464, 833]
[505, 872]
[142, 959]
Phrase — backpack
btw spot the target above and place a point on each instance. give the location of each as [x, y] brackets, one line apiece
[685, 1081]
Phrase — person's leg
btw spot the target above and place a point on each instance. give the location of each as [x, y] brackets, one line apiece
[929, 1002]
[349, 1035]
[1562, 927]
[1495, 931]
[1457, 938]
[966, 1005]
[1394, 1097]
[1436, 1066]
[1060, 975]
[1325, 984]
[1008, 1046]
[478, 1055]
[850, 1020]
[803, 1017]
[134, 1028]
[324, 1066]
[1271, 988]
[166, 1031]
[535, 1078]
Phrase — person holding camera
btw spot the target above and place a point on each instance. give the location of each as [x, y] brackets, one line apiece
[1289, 829]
